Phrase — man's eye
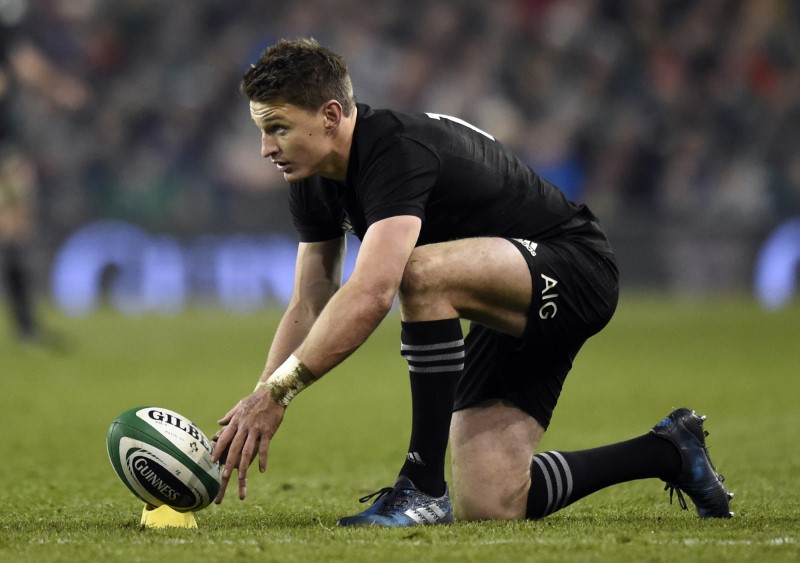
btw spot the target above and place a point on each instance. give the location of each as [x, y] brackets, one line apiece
[276, 130]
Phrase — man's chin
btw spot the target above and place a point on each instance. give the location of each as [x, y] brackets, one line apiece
[294, 176]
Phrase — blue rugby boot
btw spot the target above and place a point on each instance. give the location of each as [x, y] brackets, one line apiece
[402, 505]
[697, 477]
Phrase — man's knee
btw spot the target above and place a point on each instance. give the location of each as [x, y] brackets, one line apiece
[482, 499]
[425, 291]
[421, 273]
[491, 447]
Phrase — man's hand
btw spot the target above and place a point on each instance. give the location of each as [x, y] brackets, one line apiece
[248, 429]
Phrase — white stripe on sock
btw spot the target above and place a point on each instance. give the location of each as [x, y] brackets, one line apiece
[438, 358]
[430, 347]
[547, 482]
[559, 488]
[568, 474]
[436, 369]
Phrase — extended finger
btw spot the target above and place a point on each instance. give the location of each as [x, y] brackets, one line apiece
[263, 453]
[229, 415]
[222, 443]
[225, 477]
[223, 484]
[242, 484]
[247, 456]
[232, 462]
[234, 459]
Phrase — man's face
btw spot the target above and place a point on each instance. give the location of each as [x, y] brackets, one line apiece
[294, 139]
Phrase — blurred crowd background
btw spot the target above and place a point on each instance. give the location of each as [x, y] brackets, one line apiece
[677, 121]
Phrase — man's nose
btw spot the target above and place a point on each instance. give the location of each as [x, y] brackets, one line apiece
[268, 146]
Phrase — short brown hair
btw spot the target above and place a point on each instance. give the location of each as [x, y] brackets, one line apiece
[301, 73]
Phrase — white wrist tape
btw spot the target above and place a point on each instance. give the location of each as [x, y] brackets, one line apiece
[287, 381]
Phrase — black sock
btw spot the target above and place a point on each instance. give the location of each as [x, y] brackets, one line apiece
[435, 354]
[560, 478]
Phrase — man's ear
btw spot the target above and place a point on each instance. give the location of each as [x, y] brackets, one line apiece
[332, 114]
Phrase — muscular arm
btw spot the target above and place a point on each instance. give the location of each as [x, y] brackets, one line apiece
[358, 308]
[318, 275]
[344, 324]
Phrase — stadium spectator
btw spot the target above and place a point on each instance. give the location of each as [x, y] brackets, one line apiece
[679, 111]
[23, 67]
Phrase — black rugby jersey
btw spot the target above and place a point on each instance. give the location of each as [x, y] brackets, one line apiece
[459, 180]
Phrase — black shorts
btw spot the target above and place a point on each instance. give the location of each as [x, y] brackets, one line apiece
[575, 292]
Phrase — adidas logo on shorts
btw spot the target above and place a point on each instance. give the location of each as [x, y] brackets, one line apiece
[529, 245]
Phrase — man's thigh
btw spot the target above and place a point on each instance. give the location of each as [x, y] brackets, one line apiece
[486, 280]
[491, 446]
[574, 295]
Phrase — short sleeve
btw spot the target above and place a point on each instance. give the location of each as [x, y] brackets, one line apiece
[316, 211]
[398, 180]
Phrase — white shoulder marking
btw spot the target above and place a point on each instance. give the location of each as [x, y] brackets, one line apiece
[460, 122]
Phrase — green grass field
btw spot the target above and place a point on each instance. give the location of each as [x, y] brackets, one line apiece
[346, 436]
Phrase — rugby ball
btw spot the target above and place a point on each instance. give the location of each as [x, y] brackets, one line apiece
[163, 458]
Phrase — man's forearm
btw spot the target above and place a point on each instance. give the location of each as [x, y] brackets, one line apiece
[354, 311]
[292, 330]
[345, 323]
